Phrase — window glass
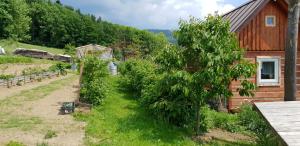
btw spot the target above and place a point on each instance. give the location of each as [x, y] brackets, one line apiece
[268, 70]
[270, 20]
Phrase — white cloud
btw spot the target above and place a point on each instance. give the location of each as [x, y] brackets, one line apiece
[153, 13]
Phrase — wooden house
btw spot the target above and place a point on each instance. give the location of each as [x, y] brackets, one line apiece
[261, 27]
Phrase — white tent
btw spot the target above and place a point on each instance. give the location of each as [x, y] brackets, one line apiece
[2, 51]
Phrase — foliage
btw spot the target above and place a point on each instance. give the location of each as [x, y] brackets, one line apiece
[33, 70]
[226, 121]
[15, 59]
[14, 143]
[93, 82]
[14, 20]
[70, 49]
[136, 74]
[60, 67]
[255, 123]
[122, 121]
[50, 134]
[6, 77]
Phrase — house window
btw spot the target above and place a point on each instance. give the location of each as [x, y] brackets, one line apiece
[270, 21]
[268, 71]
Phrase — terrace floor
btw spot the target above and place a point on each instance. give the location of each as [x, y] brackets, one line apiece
[284, 117]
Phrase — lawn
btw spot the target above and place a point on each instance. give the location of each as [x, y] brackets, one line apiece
[120, 121]
[10, 46]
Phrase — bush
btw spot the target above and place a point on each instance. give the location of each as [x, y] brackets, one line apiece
[226, 121]
[253, 122]
[94, 88]
[136, 74]
[60, 67]
[14, 59]
[168, 98]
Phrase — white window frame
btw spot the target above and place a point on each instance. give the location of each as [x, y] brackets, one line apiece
[269, 82]
[266, 21]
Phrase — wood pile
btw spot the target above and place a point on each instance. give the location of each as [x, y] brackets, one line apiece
[34, 53]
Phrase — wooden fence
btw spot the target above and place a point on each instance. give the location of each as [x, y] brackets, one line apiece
[23, 79]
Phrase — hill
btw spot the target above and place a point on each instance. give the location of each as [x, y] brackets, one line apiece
[168, 34]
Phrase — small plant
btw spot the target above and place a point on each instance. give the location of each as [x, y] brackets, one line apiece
[50, 134]
[39, 79]
[42, 144]
[14, 143]
[19, 83]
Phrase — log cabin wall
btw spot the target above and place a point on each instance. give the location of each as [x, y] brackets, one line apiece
[261, 40]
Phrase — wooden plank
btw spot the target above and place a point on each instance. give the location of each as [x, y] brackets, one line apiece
[284, 118]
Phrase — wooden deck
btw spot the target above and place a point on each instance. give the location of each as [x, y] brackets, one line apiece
[284, 117]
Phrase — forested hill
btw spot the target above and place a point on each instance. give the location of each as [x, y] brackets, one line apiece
[43, 22]
[167, 32]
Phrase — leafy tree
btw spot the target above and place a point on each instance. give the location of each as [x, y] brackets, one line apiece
[15, 22]
[209, 54]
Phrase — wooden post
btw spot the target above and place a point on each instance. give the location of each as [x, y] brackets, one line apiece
[290, 89]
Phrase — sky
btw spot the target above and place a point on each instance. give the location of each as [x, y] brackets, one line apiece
[152, 14]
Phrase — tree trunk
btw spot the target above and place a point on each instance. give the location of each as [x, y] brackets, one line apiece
[198, 119]
[291, 52]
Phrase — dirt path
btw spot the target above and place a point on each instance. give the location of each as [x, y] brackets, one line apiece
[7, 92]
[37, 112]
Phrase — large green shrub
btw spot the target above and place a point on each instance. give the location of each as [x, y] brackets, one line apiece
[168, 98]
[93, 82]
[137, 74]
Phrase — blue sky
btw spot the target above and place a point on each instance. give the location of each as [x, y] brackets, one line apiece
[154, 14]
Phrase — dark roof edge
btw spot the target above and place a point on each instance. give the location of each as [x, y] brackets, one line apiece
[242, 5]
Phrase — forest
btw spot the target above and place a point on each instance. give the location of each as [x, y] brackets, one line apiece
[48, 23]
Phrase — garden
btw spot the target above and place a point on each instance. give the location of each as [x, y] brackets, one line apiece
[173, 96]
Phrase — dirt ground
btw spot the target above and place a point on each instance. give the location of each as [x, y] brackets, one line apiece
[7, 92]
[16, 69]
[37, 116]
[218, 134]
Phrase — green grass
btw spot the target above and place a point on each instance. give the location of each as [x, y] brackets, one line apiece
[10, 46]
[120, 121]
[14, 143]
[15, 59]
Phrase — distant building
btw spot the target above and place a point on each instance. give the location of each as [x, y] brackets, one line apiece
[102, 52]
[96, 50]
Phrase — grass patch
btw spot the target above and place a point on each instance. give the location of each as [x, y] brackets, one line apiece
[10, 46]
[23, 123]
[50, 134]
[14, 143]
[15, 59]
[120, 121]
